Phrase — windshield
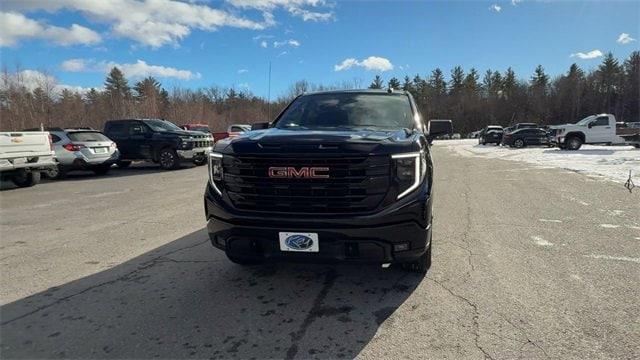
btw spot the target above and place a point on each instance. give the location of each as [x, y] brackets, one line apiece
[586, 120]
[162, 125]
[351, 111]
[200, 128]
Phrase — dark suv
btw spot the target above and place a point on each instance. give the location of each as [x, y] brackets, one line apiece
[159, 141]
[338, 176]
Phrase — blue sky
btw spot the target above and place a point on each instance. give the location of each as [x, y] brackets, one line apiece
[230, 43]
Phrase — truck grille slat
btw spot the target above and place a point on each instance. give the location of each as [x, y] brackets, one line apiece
[355, 184]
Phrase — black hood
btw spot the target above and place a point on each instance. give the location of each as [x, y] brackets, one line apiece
[276, 140]
[181, 133]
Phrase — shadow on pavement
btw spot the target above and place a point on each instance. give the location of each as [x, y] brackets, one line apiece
[580, 152]
[185, 299]
[133, 170]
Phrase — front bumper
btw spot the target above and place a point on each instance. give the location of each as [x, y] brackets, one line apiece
[188, 155]
[372, 238]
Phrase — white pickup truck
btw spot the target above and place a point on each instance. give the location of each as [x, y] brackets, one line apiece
[595, 129]
[24, 155]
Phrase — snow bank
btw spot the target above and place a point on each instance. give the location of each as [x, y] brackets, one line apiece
[608, 162]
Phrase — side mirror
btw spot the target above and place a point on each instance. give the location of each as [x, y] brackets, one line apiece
[439, 127]
[590, 125]
[260, 126]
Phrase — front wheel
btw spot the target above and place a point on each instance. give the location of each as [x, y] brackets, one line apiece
[168, 159]
[519, 143]
[54, 173]
[26, 179]
[199, 161]
[574, 143]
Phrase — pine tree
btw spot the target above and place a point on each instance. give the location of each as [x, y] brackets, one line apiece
[437, 82]
[394, 83]
[377, 83]
[147, 87]
[608, 81]
[118, 92]
[456, 85]
[631, 87]
[510, 83]
[116, 85]
[407, 85]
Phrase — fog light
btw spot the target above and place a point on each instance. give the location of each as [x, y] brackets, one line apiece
[401, 247]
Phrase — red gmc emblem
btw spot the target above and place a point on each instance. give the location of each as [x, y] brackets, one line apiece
[285, 172]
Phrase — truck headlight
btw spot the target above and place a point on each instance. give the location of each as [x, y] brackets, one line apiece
[215, 170]
[410, 171]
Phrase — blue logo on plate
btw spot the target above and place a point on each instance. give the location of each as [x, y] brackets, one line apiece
[299, 242]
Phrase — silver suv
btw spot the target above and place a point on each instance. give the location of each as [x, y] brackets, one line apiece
[82, 149]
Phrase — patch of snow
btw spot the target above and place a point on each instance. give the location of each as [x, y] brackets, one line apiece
[609, 226]
[619, 258]
[541, 242]
[608, 162]
[550, 220]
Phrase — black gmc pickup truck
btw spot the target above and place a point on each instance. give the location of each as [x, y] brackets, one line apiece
[337, 176]
[159, 141]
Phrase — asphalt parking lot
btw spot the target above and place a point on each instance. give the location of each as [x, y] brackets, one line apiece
[528, 263]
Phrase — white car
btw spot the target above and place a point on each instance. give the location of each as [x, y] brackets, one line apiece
[82, 149]
[595, 129]
[24, 155]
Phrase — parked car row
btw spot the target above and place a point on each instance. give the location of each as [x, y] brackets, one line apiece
[27, 154]
[594, 129]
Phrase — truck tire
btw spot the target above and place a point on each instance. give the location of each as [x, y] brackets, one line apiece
[54, 173]
[422, 264]
[519, 143]
[200, 160]
[26, 179]
[168, 159]
[637, 146]
[573, 143]
[123, 164]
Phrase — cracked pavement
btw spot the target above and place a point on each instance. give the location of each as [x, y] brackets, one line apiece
[528, 263]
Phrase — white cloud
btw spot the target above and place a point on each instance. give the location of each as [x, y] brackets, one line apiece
[283, 53]
[264, 44]
[515, 2]
[138, 69]
[371, 63]
[290, 42]
[262, 36]
[73, 65]
[243, 71]
[589, 55]
[298, 8]
[495, 7]
[32, 79]
[625, 38]
[15, 26]
[153, 22]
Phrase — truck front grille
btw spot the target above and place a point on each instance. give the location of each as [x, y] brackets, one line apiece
[355, 184]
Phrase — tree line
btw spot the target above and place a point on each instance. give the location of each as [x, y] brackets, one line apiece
[472, 100]
[49, 106]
